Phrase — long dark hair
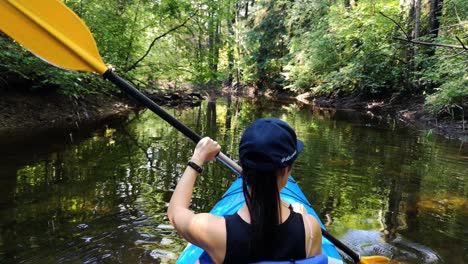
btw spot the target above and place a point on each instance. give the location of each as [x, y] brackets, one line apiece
[261, 194]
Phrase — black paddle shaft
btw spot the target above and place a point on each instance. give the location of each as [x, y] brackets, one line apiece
[147, 102]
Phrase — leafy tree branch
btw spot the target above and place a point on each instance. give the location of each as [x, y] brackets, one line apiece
[135, 64]
[433, 44]
[412, 41]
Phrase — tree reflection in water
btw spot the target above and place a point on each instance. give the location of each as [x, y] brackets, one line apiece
[102, 198]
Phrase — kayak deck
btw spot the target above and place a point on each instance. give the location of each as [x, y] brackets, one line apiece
[233, 200]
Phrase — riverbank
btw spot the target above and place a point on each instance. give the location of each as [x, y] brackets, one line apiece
[411, 111]
[24, 115]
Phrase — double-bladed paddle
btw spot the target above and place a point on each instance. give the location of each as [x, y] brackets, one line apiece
[53, 32]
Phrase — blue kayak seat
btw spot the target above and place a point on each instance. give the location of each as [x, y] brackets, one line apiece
[319, 259]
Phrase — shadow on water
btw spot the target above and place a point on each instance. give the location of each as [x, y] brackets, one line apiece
[102, 198]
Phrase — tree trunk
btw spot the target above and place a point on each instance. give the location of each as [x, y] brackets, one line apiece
[213, 39]
[217, 44]
[414, 26]
[415, 18]
[231, 19]
[129, 49]
[434, 17]
[347, 4]
[435, 13]
[246, 14]
[238, 50]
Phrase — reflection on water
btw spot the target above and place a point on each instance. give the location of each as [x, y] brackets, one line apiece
[382, 188]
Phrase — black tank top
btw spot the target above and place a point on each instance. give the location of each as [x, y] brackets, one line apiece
[291, 238]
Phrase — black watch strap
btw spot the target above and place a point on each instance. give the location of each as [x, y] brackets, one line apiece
[195, 166]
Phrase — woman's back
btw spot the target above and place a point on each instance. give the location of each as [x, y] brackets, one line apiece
[290, 240]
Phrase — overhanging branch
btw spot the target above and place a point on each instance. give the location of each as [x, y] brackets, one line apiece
[432, 44]
[461, 42]
[134, 65]
[396, 23]
[409, 40]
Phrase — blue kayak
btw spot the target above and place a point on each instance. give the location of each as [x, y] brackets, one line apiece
[233, 200]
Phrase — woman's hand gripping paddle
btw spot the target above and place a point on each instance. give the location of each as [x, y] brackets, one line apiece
[57, 35]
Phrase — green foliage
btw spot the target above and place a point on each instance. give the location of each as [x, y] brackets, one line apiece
[123, 31]
[308, 45]
[331, 48]
[346, 50]
[266, 45]
[19, 69]
[451, 92]
[448, 76]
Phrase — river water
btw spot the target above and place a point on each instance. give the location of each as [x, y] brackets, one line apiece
[101, 196]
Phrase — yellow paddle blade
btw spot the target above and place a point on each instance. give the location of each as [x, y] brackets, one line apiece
[51, 31]
[374, 260]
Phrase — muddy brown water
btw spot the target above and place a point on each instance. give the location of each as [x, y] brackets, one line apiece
[380, 187]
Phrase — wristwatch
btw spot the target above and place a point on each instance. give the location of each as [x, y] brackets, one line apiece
[195, 166]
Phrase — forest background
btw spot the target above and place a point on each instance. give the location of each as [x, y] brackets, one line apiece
[371, 49]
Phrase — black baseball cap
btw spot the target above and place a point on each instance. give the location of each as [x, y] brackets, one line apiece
[268, 144]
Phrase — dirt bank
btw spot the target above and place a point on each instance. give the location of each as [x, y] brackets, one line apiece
[24, 115]
[410, 110]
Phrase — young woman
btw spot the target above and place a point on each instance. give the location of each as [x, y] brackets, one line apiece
[266, 227]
